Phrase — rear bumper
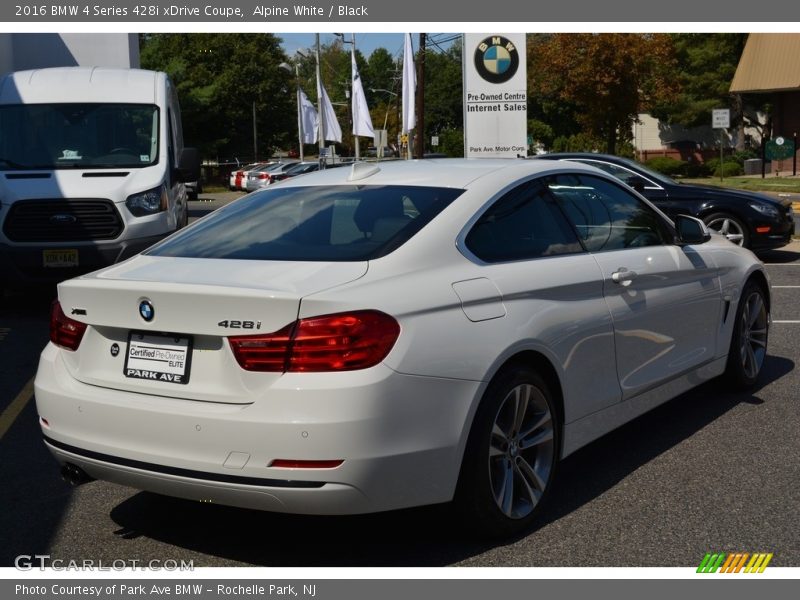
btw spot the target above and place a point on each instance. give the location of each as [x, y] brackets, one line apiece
[400, 437]
[24, 264]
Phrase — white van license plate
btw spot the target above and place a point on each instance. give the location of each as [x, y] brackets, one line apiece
[60, 258]
[158, 357]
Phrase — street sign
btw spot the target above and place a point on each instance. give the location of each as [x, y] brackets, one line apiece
[779, 149]
[434, 141]
[720, 118]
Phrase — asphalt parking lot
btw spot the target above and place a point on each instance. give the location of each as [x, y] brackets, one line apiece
[709, 471]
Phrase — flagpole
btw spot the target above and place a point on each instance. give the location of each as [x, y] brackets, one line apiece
[299, 111]
[358, 152]
[321, 112]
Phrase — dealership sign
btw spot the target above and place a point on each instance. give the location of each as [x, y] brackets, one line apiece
[495, 95]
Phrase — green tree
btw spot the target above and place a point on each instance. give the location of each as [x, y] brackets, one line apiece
[706, 64]
[444, 96]
[219, 77]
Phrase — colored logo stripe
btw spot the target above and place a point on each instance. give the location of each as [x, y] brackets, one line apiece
[733, 563]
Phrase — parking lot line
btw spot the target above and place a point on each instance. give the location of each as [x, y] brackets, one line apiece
[786, 287]
[785, 322]
[11, 413]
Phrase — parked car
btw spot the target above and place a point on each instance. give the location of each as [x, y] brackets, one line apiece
[302, 169]
[263, 176]
[388, 152]
[747, 219]
[394, 334]
[297, 169]
[238, 178]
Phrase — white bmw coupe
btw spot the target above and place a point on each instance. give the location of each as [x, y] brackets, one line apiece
[392, 335]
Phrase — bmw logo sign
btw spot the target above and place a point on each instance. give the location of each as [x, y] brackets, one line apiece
[146, 310]
[496, 59]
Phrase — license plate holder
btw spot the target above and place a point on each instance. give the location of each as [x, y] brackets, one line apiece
[161, 357]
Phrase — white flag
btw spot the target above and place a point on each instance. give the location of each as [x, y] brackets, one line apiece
[308, 119]
[409, 86]
[362, 123]
[332, 132]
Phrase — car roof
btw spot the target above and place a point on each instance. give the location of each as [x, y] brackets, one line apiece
[437, 172]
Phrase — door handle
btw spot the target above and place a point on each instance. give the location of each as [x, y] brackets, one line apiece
[623, 276]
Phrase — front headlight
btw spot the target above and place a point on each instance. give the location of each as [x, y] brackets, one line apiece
[764, 209]
[149, 202]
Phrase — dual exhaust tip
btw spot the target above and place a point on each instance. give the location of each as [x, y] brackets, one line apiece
[74, 475]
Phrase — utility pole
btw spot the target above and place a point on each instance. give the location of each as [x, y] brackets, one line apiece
[321, 113]
[255, 135]
[420, 110]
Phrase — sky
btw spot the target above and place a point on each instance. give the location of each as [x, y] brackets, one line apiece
[365, 42]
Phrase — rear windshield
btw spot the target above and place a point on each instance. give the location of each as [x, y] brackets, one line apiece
[334, 223]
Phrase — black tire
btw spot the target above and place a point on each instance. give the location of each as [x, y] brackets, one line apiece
[748, 350]
[717, 222]
[184, 220]
[494, 496]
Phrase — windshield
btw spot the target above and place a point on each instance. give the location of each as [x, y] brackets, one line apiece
[331, 223]
[84, 136]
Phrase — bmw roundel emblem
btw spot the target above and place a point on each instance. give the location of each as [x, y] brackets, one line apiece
[496, 59]
[146, 310]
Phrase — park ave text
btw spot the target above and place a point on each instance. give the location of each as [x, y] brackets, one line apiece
[167, 589]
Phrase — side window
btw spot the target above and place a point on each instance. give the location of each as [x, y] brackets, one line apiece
[606, 216]
[624, 175]
[525, 223]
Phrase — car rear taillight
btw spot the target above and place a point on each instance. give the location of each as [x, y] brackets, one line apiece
[262, 352]
[340, 342]
[263, 176]
[65, 332]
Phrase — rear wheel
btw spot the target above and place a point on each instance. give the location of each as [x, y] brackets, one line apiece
[748, 349]
[729, 226]
[511, 455]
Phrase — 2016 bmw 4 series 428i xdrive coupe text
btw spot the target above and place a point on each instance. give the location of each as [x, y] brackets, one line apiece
[392, 335]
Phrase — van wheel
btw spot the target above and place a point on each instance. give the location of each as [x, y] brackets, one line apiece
[748, 349]
[511, 455]
[184, 220]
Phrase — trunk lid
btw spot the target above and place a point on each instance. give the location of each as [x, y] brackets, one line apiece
[196, 304]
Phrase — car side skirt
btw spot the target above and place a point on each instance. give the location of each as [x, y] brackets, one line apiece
[579, 433]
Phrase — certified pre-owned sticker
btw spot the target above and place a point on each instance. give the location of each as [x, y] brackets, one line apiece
[158, 357]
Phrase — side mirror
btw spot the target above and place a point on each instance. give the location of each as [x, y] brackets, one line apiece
[691, 230]
[189, 165]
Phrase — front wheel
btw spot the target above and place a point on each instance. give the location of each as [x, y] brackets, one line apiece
[729, 226]
[511, 454]
[748, 349]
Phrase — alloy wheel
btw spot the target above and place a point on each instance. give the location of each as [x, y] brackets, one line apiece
[521, 451]
[753, 334]
[728, 227]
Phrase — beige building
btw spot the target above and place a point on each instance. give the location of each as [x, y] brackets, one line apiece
[770, 64]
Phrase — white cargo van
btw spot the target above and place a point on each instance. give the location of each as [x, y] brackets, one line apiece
[92, 167]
